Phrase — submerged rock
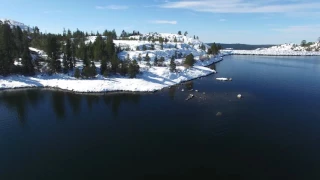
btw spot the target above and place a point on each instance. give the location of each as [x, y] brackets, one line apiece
[219, 114]
[190, 97]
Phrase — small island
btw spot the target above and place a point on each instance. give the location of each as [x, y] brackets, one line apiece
[94, 63]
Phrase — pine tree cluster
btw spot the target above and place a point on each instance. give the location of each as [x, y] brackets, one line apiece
[215, 49]
[14, 44]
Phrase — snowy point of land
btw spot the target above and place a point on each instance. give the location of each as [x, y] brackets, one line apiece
[148, 80]
[281, 50]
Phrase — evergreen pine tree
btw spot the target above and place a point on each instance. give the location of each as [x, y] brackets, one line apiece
[161, 60]
[144, 47]
[179, 32]
[110, 47]
[52, 49]
[65, 64]
[189, 60]
[73, 53]
[133, 69]
[147, 58]
[103, 66]
[114, 63]
[93, 69]
[6, 49]
[68, 52]
[155, 62]
[172, 64]
[86, 61]
[139, 58]
[27, 66]
[19, 40]
[175, 40]
[77, 73]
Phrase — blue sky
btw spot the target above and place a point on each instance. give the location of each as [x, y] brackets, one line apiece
[227, 21]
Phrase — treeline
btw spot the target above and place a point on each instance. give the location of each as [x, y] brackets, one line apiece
[63, 51]
[214, 49]
[14, 44]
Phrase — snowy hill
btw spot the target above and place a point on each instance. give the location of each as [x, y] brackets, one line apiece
[281, 50]
[16, 23]
[134, 47]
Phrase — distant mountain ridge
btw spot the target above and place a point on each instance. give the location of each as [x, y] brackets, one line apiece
[16, 23]
[243, 46]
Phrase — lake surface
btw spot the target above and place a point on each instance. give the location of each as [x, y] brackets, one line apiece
[272, 133]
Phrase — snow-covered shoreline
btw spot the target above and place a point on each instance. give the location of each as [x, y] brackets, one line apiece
[150, 80]
[280, 50]
[270, 53]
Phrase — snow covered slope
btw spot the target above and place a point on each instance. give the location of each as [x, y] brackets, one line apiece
[150, 79]
[16, 23]
[184, 46]
[281, 50]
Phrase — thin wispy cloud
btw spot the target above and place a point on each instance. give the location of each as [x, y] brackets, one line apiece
[244, 6]
[302, 28]
[222, 20]
[163, 22]
[113, 7]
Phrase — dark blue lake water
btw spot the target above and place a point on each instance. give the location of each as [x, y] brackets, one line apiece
[272, 133]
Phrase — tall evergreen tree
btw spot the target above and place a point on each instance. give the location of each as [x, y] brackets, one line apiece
[155, 61]
[86, 61]
[103, 65]
[68, 52]
[19, 40]
[65, 64]
[133, 69]
[147, 58]
[27, 66]
[172, 64]
[189, 60]
[6, 49]
[110, 47]
[114, 63]
[52, 49]
[139, 58]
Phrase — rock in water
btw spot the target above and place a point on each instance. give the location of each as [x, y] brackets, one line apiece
[190, 97]
[219, 114]
[239, 96]
[222, 79]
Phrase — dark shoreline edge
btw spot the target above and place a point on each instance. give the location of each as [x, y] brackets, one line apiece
[47, 88]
